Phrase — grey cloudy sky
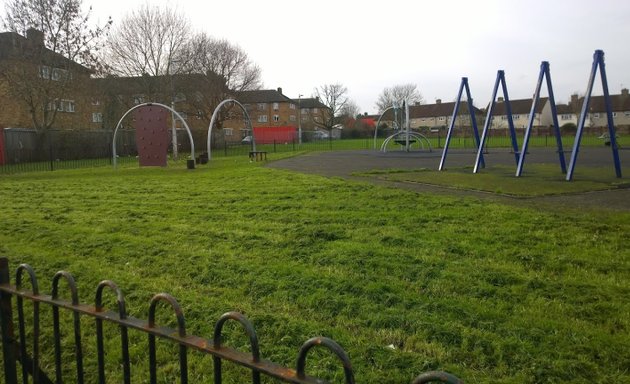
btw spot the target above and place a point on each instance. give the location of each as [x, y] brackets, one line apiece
[369, 45]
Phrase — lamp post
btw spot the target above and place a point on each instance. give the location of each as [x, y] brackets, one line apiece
[173, 122]
[300, 119]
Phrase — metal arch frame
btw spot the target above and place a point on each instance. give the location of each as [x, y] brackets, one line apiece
[192, 143]
[473, 122]
[544, 73]
[214, 116]
[598, 61]
[508, 109]
[420, 137]
[378, 122]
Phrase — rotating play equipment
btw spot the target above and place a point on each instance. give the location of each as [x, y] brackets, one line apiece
[405, 137]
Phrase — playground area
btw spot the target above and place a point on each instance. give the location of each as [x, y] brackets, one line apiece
[375, 166]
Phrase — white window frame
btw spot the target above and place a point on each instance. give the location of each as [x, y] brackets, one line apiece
[292, 118]
[262, 118]
[262, 106]
[228, 131]
[276, 118]
[291, 106]
[276, 106]
[97, 117]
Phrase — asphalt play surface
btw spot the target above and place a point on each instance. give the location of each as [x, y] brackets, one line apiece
[346, 164]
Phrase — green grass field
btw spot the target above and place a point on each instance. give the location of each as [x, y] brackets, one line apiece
[540, 180]
[405, 282]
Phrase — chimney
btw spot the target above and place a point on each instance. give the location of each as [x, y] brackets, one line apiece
[500, 100]
[574, 98]
[35, 37]
[280, 90]
[624, 91]
[438, 101]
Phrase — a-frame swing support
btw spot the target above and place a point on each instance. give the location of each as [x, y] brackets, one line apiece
[598, 62]
[544, 74]
[508, 110]
[473, 121]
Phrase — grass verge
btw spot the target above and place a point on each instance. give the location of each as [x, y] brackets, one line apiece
[404, 282]
[539, 180]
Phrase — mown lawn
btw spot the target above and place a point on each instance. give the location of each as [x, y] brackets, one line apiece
[541, 180]
[405, 282]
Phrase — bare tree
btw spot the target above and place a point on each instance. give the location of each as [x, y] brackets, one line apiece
[334, 96]
[59, 52]
[149, 41]
[397, 94]
[207, 54]
[350, 109]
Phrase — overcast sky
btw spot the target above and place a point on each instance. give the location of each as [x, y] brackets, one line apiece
[369, 45]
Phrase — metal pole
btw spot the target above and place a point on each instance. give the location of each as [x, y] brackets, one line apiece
[447, 141]
[174, 130]
[582, 119]
[6, 320]
[486, 126]
[300, 119]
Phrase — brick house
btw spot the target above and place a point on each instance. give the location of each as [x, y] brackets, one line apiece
[437, 115]
[55, 86]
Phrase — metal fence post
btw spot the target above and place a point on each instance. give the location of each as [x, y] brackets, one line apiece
[8, 335]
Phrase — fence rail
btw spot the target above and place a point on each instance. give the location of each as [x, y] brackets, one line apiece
[26, 150]
[15, 349]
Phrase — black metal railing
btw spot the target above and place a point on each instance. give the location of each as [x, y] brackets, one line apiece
[15, 350]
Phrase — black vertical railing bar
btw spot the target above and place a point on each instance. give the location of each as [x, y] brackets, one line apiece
[253, 341]
[6, 321]
[76, 325]
[213, 347]
[124, 337]
[21, 323]
[333, 347]
[181, 331]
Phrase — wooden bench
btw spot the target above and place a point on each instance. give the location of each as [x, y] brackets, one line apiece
[257, 155]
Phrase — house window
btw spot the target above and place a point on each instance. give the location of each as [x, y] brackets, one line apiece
[596, 115]
[228, 131]
[262, 118]
[565, 117]
[292, 118]
[138, 99]
[304, 118]
[318, 119]
[276, 117]
[44, 72]
[262, 107]
[97, 117]
[63, 105]
[614, 114]
[503, 117]
[275, 106]
[292, 106]
[516, 117]
[314, 110]
[626, 113]
[198, 115]
[96, 101]
[304, 111]
[441, 118]
[59, 74]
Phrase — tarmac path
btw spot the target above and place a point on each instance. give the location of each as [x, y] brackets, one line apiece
[345, 164]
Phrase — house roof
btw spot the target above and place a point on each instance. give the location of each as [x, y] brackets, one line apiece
[311, 102]
[519, 106]
[262, 96]
[433, 110]
[619, 103]
[31, 48]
